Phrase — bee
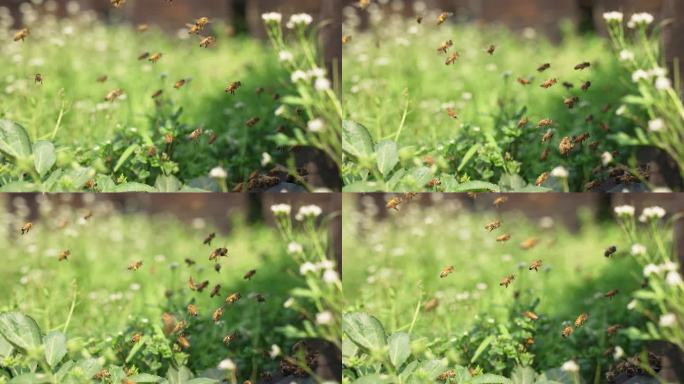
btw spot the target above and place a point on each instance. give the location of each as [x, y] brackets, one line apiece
[544, 123]
[529, 243]
[209, 238]
[565, 145]
[102, 78]
[536, 265]
[218, 252]
[143, 56]
[452, 58]
[544, 67]
[192, 310]
[446, 271]
[180, 326]
[431, 305]
[260, 298]
[606, 108]
[581, 319]
[118, 3]
[549, 83]
[180, 83]
[212, 138]
[250, 274]
[444, 47]
[610, 294]
[443, 17]
[114, 94]
[582, 66]
[38, 79]
[541, 179]
[22, 34]
[228, 338]
[217, 267]
[507, 280]
[523, 122]
[593, 145]
[189, 262]
[529, 341]
[346, 39]
[168, 138]
[232, 87]
[201, 286]
[591, 185]
[393, 203]
[581, 138]
[571, 101]
[547, 136]
[610, 251]
[216, 316]
[452, 113]
[585, 86]
[64, 255]
[544, 155]
[446, 375]
[183, 342]
[500, 200]
[568, 85]
[134, 266]
[215, 291]
[493, 225]
[157, 94]
[26, 228]
[419, 19]
[567, 331]
[503, 238]
[491, 49]
[613, 329]
[142, 28]
[589, 119]
[604, 126]
[103, 374]
[524, 81]
[194, 135]
[530, 315]
[363, 4]
[252, 122]
[136, 338]
[206, 41]
[233, 298]
[155, 58]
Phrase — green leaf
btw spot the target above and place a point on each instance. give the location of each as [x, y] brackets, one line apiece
[202, 380]
[133, 187]
[55, 347]
[387, 156]
[427, 370]
[179, 376]
[488, 378]
[14, 140]
[523, 375]
[20, 330]
[80, 176]
[469, 155]
[89, 367]
[44, 156]
[6, 348]
[124, 156]
[481, 348]
[476, 186]
[167, 184]
[64, 371]
[30, 378]
[421, 176]
[356, 140]
[399, 348]
[145, 378]
[364, 330]
[361, 186]
[349, 349]
[18, 186]
[373, 379]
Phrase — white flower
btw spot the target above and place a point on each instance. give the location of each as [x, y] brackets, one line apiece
[316, 125]
[285, 56]
[626, 55]
[330, 276]
[281, 209]
[308, 211]
[316, 72]
[288, 303]
[322, 84]
[651, 269]
[632, 304]
[638, 249]
[613, 16]
[275, 351]
[325, 317]
[280, 110]
[299, 75]
[559, 172]
[570, 366]
[658, 72]
[669, 266]
[481, 286]
[624, 210]
[619, 352]
[663, 84]
[265, 159]
[640, 74]
[621, 110]
[218, 173]
[227, 365]
[651, 213]
[639, 19]
[272, 17]
[606, 158]
[656, 125]
[299, 19]
[667, 320]
[326, 264]
[673, 278]
[307, 267]
[294, 248]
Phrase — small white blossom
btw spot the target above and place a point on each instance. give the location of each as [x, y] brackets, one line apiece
[281, 209]
[322, 84]
[651, 213]
[621, 110]
[651, 269]
[272, 17]
[606, 158]
[673, 278]
[624, 210]
[275, 351]
[298, 76]
[299, 19]
[330, 276]
[639, 19]
[316, 72]
[326, 264]
[227, 365]
[658, 72]
[265, 159]
[325, 317]
[218, 173]
[570, 366]
[280, 110]
[626, 55]
[308, 211]
[288, 303]
[632, 304]
[560, 172]
[656, 125]
[667, 320]
[307, 267]
[285, 56]
[613, 16]
[669, 266]
[316, 125]
[640, 74]
[618, 353]
[663, 84]
[638, 249]
[294, 248]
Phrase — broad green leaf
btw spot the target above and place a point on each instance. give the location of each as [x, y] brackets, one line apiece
[64, 371]
[476, 186]
[178, 376]
[55, 347]
[361, 186]
[167, 184]
[89, 367]
[349, 349]
[421, 176]
[44, 156]
[399, 348]
[556, 376]
[391, 184]
[481, 348]
[523, 375]
[202, 380]
[20, 330]
[513, 182]
[30, 378]
[80, 176]
[145, 378]
[124, 156]
[356, 140]
[488, 378]
[374, 379]
[364, 329]
[116, 374]
[133, 187]
[387, 156]
[427, 370]
[469, 155]
[6, 348]
[18, 186]
[14, 140]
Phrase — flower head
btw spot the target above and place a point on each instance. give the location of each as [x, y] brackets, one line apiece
[626, 55]
[285, 56]
[308, 211]
[656, 125]
[330, 276]
[325, 317]
[640, 74]
[322, 84]
[651, 213]
[316, 125]
[651, 269]
[673, 278]
[299, 19]
[640, 19]
[638, 249]
[281, 209]
[613, 17]
[218, 173]
[624, 211]
[294, 248]
[272, 17]
[227, 365]
[570, 366]
[307, 267]
[298, 76]
[668, 320]
[606, 158]
[663, 84]
[560, 172]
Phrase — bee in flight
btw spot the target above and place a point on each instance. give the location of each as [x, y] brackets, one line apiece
[610, 294]
[192, 310]
[610, 251]
[530, 315]
[571, 101]
[22, 34]
[586, 85]
[250, 274]
[216, 316]
[118, 3]
[544, 123]
[233, 298]
[582, 66]
[529, 243]
[207, 41]
[523, 81]
[102, 78]
[581, 319]
[503, 238]
[443, 17]
[444, 47]
[183, 342]
[346, 39]
[549, 83]
[218, 252]
[194, 135]
[507, 280]
[613, 329]
[446, 271]
[452, 58]
[38, 79]
[252, 121]
[180, 83]
[567, 331]
[114, 94]
[536, 265]
[26, 228]
[452, 113]
[493, 225]
[155, 58]
[64, 255]
[215, 291]
[228, 338]
[134, 266]
[209, 238]
[523, 122]
[232, 87]
[393, 203]
[500, 200]
[491, 49]
[544, 67]
[547, 136]
[136, 338]
[541, 179]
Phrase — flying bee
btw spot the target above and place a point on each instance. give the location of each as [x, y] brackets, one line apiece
[452, 113]
[549, 83]
[431, 305]
[260, 298]
[194, 135]
[252, 122]
[610, 294]
[168, 138]
[232, 87]
[250, 274]
[541, 179]
[209, 238]
[218, 252]
[581, 319]
[363, 4]
[443, 17]
[180, 83]
[136, 338]
[216, 316]
[346, 39]
[547, 136]
[567, 331]
[134, 266]
[143, 56]
[524, 81]
[38, 79]
[568, 85]
[157, 94]
[183, 342]
[189, 262]
[581, 138]
[606, 108]
[582, 66]
[586, 85]
[102, 374]
[233, 298]
[529, 243]
[118, 3]
[604, 126]
[544, 155]
[114, 94]
[529, 341]
[206, 41]
[143, 27]
[212, 138]
[444, 47]
[217, 267]
[613, 329]
[536, 265]
[192, 310]
[446, 375]
[503, 238]
[544, 67]
[530, 315]
[419, 19]
[446, 271]
[102, 78]
[26, 228]
[523, 122]
[22, 34]
[201, 286]
[64, 255]
[565, 145]
[544, 123]
[507, 280]
[493, 225]
[180, 326]
[594, 144]
[155, 58]
[228, 338]
[491, 49]
[393, 203]
[500, 200]
[215, 291]
[610, 251]
[452, 58]
[571, 101]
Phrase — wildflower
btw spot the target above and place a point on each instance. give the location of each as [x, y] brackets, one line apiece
[606, 158]
[640, 19]
[570, 366]
[624, 211]
[265, 159]
[322, 84]
[281, 209]
[669, 266]
[272, 17]
[307, 267]
[227, 365]
[298, 76]
[651, 213]
[658, 72]
[307, 211]
[613, 16]
[325, 317]
[330, 276]
[288, 303]
[651, 269]
[326, 264]
[640, 74]
[667, 320]
[560, 172]
[275, 351]
[663, 84]
[294, 248]
[673, 278]
[218, 173]
[316, 125]
[638, 249]
[632, 304]
[656, 125]
[621, 110]
[299, 19]
[619, 353]
[626, 55]
[285, 56]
